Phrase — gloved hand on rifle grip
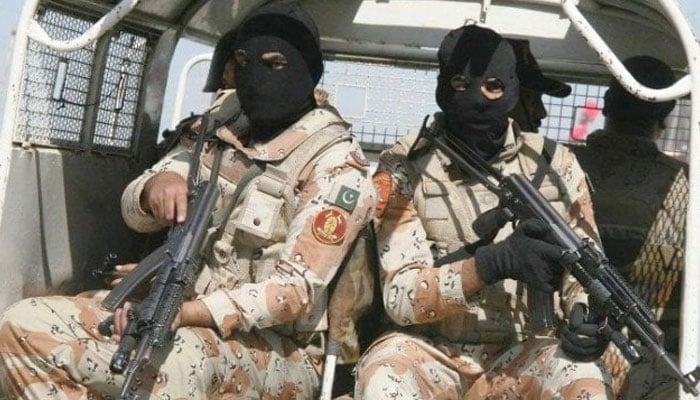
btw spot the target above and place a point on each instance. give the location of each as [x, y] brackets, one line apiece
[583, 339]
[530, 254]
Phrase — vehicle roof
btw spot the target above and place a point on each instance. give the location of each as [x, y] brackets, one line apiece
[412, 29]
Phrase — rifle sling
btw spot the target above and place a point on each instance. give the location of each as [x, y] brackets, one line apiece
[544, 162]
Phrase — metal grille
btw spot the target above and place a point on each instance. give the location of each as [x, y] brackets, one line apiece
[383, 102]
[572, 118]
[46, 116]
[676, 136]
[116, 115]
[386, 101]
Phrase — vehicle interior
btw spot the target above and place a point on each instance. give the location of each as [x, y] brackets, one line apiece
[88, 82]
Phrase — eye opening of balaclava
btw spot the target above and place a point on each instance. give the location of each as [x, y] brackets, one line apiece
[480, 55]
[273, 99]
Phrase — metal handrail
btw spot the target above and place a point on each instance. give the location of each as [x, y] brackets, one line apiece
[182, 85]
[690, 321]
[107, 22]
[612, 62]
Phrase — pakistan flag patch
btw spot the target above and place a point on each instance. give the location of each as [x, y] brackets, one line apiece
[347, 198]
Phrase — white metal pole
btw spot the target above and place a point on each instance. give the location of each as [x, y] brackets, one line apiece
[613, 63]
[690, 310]
[182, 85]
[107, 22]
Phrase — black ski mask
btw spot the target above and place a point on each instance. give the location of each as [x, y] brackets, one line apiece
[276, 92]
[474, 60]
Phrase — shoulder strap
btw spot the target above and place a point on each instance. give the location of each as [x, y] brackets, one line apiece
[289, 169]
[544, 163]
[293, 164]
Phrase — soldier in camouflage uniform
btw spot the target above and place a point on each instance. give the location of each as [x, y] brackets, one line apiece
[255, 327]
[640, 196]
[463, 331]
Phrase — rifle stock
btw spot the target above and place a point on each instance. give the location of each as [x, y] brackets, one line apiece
[607, 290]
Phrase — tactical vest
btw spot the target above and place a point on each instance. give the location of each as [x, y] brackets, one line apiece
[251, 238]
[447, 203]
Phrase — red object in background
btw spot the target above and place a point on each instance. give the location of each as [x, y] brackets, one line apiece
[588, 114]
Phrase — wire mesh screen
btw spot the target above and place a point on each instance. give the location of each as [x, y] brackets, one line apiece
[572, 118]
[676, 136]
[51, 113]
[386, 101]
[382, 101]
[116, 114]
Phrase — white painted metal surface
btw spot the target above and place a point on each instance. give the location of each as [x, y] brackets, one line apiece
[182, 85]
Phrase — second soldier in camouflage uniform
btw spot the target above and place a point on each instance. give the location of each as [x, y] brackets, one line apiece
[463, 326]
[252, 331]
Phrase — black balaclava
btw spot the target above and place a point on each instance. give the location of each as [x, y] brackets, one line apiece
[650, 72]
[274, 99]
[478, 54]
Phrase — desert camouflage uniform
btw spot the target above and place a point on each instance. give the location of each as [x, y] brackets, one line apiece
[264, 282]
[452, 347]
[640, 196]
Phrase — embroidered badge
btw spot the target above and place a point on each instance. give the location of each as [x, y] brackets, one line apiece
[329, 226]
[347, 198]
[383, 186]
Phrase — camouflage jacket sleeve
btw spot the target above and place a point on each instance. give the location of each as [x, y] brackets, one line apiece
[579, 214]
[322, 230]
[177, 160]
[414, 291]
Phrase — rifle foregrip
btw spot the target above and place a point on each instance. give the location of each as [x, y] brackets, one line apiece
[121, 357]
[127, 343]
[628, 349]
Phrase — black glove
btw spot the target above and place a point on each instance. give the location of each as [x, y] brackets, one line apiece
[528, 255]
[582, 339]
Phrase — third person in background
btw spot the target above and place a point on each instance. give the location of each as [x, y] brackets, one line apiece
[530, 110]
[640, 196]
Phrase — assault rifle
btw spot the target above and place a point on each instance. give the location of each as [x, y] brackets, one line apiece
[175, 265]
[608, 292]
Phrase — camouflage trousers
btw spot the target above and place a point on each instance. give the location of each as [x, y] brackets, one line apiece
[403, 366]
[50, 349]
